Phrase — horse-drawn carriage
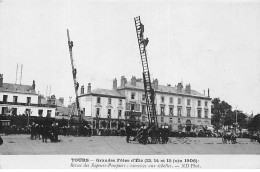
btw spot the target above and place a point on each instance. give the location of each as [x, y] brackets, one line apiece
[229, 136]
[255, 137]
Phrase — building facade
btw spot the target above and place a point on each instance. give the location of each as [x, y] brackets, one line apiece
[175, 106]
[105, 108]
[16, 99]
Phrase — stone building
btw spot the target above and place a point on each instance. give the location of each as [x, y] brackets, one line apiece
[175, 105]
[17, 99]
[105, 108]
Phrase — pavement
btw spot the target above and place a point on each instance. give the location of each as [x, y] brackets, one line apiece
[116, 145]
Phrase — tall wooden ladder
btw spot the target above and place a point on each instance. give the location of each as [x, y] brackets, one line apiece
[149, 91]
[74, 75]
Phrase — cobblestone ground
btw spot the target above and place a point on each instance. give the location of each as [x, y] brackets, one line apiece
[116, 145]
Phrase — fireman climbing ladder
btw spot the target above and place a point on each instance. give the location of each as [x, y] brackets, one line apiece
[149, 91]
[74, 74]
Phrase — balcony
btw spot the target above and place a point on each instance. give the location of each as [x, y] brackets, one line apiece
[28, 104]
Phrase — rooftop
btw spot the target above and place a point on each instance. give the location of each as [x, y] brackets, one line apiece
[17, 88]
[162, 88]
[105, 92]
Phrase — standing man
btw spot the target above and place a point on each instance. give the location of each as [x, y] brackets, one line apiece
[128, 130]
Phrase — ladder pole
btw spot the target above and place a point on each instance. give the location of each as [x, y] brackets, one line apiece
[74, 75]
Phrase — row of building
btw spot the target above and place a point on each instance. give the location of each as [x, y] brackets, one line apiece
[110, 108]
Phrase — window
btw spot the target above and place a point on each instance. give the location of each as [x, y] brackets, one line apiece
[84, 111]
[179, 101]
[4, 110]
[188, 112]
[5, 97]
[28, 100]
[162, 99]
[119, 113]
[188, 102]
[98, 99]
[132, 95]
[179, 111]
[14, 111]
[206, 104]
[132, 107]
[206, 113]
[40, 111]
[198, 102]
[48, 113]
[143, 97]
[109, 101]
[143, 118]
[15, 98]
[171, 111]
[109, 113]
[199, 113]
[171, 99]
[120, 101]
[143, 109]
[162, 119]
[171, 121]
[162, 110]
[97, 113]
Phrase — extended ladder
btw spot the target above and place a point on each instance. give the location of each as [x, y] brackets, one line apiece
[74, 74]
[149, 91]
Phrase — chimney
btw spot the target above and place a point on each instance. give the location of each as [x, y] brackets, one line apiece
[53, 100]
[155, 84]
[188, 89]
[114, 84]
[82, 89]
[89, 88]
[33, 85]
[179, 87]
[204, 92]
[123, 81]
[61, 99]
[208, 92]
[133, 81]
[1, 80]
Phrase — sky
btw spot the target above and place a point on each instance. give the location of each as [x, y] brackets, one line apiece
[208, 44]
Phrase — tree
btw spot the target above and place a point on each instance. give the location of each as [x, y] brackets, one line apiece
[221, 113]
[241, 119]
[255, 123]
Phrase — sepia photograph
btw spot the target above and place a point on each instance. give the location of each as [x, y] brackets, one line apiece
[124, 84]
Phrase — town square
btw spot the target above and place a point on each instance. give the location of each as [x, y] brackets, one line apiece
[129, 78]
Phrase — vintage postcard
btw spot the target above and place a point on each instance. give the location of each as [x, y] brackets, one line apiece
[144, 84]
